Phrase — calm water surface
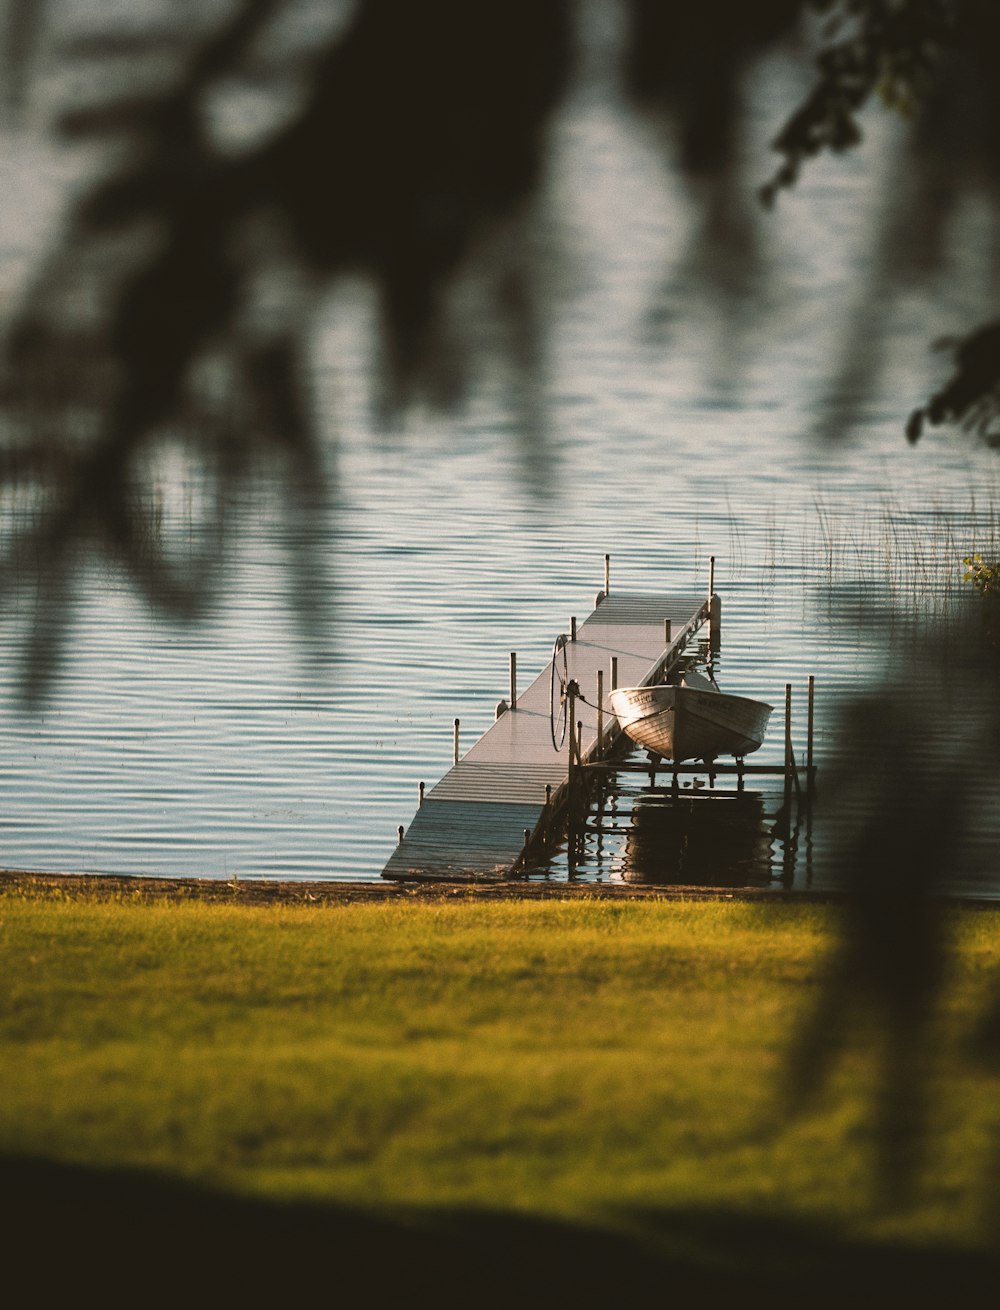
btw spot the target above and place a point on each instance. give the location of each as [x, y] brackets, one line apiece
[676, 425]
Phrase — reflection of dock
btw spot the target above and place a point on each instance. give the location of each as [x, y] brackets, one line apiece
[503, 796]
[715, 839]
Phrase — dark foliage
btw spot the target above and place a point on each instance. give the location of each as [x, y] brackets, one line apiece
[174, 310]
[118, 1235]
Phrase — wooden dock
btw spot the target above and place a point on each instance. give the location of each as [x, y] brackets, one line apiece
[514, 781]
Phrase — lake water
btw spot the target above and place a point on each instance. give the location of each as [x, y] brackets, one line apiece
[671, 422]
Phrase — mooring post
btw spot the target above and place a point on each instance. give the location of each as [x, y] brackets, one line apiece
[548, 795]
[607, 576]
[714, 611]
[788, 744]
[513, 680]
[420, 795]
[668, 630]
[399, 835]
[457, 721]
[600, 713]
[614, 672]
[572, 628]
[579, 742]
[570, 719]
[809, 736]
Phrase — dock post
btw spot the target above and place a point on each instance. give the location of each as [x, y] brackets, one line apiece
[571, 721]
[399, 835]
[457, 722]
[668, 629]
[714, 611]
[420, 795]
[809, 737]
[614, 672]
[600, 714]
[513, 680]
[607, 576]
[572, 628]
[788, 745]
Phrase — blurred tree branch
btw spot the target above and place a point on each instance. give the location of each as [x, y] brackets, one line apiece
[397, 140]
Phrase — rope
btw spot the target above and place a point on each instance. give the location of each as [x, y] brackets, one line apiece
[583, 700]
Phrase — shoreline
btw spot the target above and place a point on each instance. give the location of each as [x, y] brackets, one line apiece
[261, 891]
[143, 889]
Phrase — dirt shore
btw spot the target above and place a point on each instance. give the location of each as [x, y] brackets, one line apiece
[260, 892]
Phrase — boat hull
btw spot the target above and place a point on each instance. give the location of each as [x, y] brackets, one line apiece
[688, 723]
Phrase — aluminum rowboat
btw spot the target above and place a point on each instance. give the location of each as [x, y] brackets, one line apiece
[690, 720]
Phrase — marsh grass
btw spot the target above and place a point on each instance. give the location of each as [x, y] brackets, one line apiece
[889, 554]
[569, 1059]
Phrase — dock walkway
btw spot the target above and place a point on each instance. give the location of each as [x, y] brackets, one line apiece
[472, 824]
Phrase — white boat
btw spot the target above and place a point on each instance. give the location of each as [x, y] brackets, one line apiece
[690, 720]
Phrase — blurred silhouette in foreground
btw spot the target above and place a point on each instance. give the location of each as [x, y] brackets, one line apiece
[242, 157]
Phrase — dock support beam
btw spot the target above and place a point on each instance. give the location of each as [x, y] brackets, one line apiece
[714, 611]
[600, 713]
[571, 725]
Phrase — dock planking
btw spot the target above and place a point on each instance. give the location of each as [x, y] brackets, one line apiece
[472, 824]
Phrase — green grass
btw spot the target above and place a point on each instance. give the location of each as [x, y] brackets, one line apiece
[574, 1059]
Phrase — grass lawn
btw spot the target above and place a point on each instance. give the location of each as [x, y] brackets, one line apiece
[586, 1062]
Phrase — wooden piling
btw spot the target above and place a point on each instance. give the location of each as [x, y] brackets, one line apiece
[457, 722]
[788, 745]
[513, 680]
[571, 722]
[420, 795]
[600, 714]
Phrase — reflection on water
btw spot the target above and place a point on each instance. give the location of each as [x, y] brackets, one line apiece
[698, 838]
[696, 830]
